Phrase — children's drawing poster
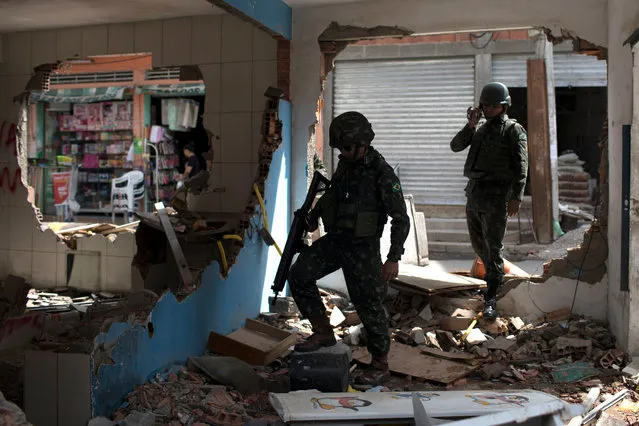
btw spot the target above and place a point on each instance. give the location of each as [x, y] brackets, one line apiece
[313, 406]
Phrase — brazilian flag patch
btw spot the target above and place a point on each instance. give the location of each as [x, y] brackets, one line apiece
[397, 187]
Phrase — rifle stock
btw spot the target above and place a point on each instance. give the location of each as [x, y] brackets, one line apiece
[295, 234]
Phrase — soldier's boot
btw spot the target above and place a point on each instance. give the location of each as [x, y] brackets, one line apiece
[322, 336]
[377, 374]
[490, 301]
[490, 309]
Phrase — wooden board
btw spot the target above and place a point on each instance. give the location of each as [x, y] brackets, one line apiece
[539, 150]
[176, 249]
[424, 279]
[455, 356]
[408, 360]
[256, 343]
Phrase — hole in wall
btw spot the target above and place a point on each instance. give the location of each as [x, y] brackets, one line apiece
[574, 103]
[151, 329]
[95, 148]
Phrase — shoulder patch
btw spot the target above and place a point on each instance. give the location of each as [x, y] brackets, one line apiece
[397, 187]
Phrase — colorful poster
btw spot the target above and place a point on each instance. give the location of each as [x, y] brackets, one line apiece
[123, 115]
[94, 116]
[80, 117]
[61, 183]
[108, 116]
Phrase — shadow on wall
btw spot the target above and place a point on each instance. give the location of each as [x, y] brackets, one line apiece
[181, 329]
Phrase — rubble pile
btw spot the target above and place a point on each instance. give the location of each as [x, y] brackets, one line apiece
[67, 320]
[179, 396]
[558, 353]
[574, 182]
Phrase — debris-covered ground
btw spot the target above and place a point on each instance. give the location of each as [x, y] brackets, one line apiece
[559, 354]
[62, 320]
[436, 345]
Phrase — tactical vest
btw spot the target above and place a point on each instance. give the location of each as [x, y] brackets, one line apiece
[352, 205]
[490, 155]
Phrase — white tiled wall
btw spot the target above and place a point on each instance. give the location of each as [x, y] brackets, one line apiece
[238, 62]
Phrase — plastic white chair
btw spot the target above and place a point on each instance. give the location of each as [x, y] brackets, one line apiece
[125, 191]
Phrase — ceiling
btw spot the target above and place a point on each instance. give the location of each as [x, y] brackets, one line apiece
[23, 15]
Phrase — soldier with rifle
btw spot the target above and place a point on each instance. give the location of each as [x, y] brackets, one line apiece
[354, 209]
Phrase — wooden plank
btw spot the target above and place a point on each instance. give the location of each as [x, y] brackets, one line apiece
[256, 343]
[224, 345]
[122, 228]
[455, 356]
[431, 281]
[267, 329]
[178, 254]
[539, 150]
[259, 341]
[410, 361]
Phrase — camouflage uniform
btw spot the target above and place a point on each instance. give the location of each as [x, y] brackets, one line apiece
[496, 166]
[354, 210]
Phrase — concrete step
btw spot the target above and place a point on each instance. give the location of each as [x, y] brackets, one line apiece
[458, 242]
[454, 249]
[449, 235]
[462, 236]
[453, 224]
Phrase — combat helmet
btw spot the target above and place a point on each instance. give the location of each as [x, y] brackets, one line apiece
[350, 128]
[495, 94]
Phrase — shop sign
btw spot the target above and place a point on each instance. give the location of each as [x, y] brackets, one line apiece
[61, 182]
[172, 90]
[79, 95]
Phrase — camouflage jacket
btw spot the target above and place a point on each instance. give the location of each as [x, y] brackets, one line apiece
[366, 188]
[498, 155]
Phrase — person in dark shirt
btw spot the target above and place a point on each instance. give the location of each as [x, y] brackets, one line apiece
[194, 162]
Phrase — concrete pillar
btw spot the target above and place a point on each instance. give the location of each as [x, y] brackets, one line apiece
[623, 18]
[633, 273]
[544, 50]
[483, 73]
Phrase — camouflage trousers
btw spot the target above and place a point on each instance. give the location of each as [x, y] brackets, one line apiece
[487, 218]
[362, 266]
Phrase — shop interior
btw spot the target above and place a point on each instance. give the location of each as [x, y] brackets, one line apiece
[100, 154]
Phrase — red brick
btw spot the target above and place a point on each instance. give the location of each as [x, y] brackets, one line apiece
[519, 34]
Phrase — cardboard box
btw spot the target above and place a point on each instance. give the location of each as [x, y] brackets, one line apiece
[256, 343]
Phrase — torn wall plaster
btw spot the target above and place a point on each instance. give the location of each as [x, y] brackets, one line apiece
[532, 300]
[586, 263]
[337, 32]
[335, 38]
[580, 45]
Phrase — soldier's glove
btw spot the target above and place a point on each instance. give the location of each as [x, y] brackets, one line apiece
[310, 223]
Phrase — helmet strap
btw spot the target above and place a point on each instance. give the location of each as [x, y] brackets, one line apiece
[356, 155]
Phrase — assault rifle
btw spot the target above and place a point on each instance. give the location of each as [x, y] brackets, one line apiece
[294, 243]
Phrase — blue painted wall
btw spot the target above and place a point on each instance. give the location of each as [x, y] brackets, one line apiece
[181, 330]
[273, 14]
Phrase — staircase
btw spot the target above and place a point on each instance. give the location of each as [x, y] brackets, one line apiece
[448, 233]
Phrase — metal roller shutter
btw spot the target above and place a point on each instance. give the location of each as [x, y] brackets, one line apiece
[415, 107]
[571, 70]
